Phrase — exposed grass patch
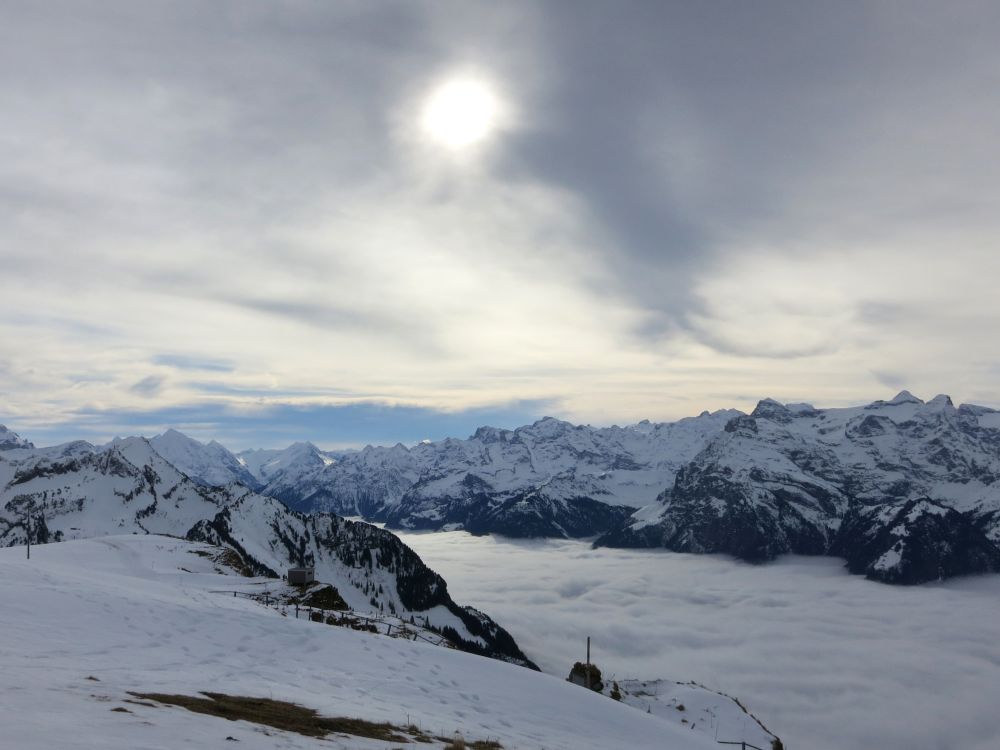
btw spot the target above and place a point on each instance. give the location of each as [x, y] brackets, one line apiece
[278, 714]
[460, 743]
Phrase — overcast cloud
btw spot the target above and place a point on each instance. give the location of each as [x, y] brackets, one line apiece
[686, 206]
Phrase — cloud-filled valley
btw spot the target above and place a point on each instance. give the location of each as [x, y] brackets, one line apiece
[825, 659]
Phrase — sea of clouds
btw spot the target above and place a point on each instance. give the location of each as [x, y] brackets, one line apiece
[827, 660]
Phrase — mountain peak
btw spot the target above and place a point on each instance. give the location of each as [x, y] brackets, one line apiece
[768, 408]
[489, 434]
[10, 439]
[174, 437]
[904, 397]
[941, 401]
[550, 423]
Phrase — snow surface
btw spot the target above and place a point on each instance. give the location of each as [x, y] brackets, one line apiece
[144, 614]
[695, 706]
[827, 660]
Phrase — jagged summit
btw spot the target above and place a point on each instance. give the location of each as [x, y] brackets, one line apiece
[903, 397]
[770, 409]
[10, 440]
[941, 401]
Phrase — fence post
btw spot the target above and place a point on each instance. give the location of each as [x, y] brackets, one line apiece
[296, 610]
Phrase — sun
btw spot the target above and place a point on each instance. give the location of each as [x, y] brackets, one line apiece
[460, 113]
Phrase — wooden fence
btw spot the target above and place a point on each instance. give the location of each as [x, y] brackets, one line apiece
[346, 618]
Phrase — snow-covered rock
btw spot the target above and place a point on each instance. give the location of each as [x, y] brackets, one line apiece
[550, 478]
[825, 481]
[11, 440]
[913, 542]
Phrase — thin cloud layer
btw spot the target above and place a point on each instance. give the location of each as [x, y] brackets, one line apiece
[827, 660]
[683, 203]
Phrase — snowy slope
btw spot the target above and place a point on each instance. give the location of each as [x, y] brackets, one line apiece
[693, 706]
[784, 479]
[146, 619]
[129, 488]
[209, 464]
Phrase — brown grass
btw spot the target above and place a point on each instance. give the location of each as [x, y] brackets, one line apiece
[278, 714]
[459, 743]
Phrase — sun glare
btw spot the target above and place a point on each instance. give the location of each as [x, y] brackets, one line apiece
[460, 113]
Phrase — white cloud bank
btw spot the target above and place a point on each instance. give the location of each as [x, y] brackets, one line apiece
[827, 660]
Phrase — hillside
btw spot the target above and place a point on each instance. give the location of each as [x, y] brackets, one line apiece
[147, 618]
[128, 488]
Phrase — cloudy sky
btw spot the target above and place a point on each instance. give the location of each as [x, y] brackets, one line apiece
[360, 222]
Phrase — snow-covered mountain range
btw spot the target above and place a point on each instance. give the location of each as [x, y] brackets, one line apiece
[905, 491]
[550, 478]
[78, 491]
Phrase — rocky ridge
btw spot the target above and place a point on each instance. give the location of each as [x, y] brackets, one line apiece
[905, 491]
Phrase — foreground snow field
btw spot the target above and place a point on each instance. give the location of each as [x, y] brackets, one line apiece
[827, 660]
[85, 622]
